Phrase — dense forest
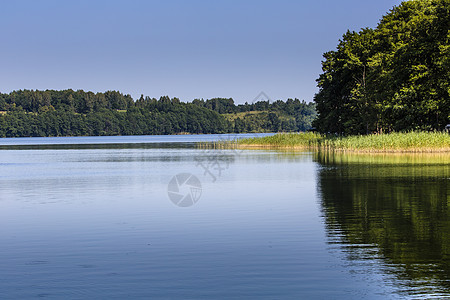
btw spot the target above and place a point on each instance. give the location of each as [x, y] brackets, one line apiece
[76, 113]
[391, 78]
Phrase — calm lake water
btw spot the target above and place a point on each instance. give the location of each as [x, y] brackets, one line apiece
[158, 218]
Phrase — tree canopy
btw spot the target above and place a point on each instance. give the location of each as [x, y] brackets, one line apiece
[74, 113]
[391, 78]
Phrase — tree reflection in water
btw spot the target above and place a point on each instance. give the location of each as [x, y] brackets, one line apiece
[395, 207]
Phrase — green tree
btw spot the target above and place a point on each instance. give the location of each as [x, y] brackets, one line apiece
[393, 77]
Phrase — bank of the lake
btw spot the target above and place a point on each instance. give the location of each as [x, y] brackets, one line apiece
[414, 141]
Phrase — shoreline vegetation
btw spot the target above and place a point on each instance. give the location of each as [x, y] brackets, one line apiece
[409, 142]
[34, 113]
[390, 78]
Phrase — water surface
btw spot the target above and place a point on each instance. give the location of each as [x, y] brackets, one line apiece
[92, 218]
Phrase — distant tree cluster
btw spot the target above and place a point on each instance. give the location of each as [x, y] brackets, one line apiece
[391, 78]
[80, 113]
[290, 115]
[68, 100]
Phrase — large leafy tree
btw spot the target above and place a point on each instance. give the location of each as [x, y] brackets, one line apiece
[393, 77]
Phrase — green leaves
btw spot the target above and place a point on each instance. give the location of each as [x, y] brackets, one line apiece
[393, 77]
[74, 113]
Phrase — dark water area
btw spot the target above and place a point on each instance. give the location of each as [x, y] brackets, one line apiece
[392, 208]
[101, 218]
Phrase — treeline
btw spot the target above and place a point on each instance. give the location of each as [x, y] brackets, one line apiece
[67, 100]
[227, 106]
[391, 78]
[78, 113]
[135, 121]
[290, 115]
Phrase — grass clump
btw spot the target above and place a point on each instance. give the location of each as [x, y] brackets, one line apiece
[414, 141]
[307, 139]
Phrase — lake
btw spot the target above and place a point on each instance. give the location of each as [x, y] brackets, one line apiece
[156, 217]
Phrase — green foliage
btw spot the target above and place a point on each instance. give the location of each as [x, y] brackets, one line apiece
[74, 113]
[263, 116]
[391, 78]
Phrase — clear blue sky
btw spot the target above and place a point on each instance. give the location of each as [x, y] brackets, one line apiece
[187, 49]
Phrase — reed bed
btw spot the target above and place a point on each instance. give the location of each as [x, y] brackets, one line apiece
[414, 141]
[284, 140]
